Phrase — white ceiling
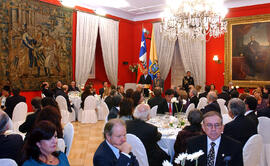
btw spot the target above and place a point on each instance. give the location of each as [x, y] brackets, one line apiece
[137, 10]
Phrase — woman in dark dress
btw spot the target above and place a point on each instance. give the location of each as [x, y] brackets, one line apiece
[194, 129]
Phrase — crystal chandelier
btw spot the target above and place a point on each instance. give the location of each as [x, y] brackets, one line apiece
[194, 18]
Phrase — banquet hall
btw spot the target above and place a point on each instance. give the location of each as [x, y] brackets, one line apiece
[100, 60]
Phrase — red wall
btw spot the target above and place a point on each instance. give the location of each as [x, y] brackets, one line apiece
[214, 72]
[129, 47]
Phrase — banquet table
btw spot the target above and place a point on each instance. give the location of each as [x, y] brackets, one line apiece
[168, 127]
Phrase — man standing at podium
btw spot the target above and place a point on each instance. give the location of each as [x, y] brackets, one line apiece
[146, 80]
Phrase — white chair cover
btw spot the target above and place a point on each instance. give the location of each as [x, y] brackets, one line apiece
[263, 130]
[138, 149]
[72, 115]
[253, 151]
[61, 146]
[153, 111]
[226, 118]
[189, 108]
[202, 103]
[20, 112]
[89, 114]
[7, 162]
[103, 111]
[221, 102]
[68, 136]
[223, 108]
[62, 103]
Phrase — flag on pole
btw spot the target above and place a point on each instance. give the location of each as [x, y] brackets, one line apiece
[153, 61]
[142, 58]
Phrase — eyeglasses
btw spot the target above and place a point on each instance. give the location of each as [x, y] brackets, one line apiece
[215, 125]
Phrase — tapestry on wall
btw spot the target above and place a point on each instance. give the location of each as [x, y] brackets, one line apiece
[36, 43]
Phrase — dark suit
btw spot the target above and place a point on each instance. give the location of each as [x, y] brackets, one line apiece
[214, 106]
[62, 93]
[147, 80]
[227, 147]
[204, 94]
[194, 100]
[155, 101]
[11, 102]
[163, 107]
[186, 82]
[264, 112]
[109, 102]
[240, 129]
[149, 136]
[11, 146]
[101, 91]
[225, 96]
[47, 92]
[70, 88]
[253, 117]
[56, 90]
[104, 156]
[27, 126]
[113, 113]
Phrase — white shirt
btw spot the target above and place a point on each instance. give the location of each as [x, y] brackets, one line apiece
[217, 142]
[246, 113]
[169, 106]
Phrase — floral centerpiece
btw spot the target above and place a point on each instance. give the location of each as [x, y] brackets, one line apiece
[181, 159]
[134, 68]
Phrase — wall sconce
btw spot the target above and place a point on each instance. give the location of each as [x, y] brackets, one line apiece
[215, 59]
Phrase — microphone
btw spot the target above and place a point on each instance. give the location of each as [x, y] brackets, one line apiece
[227, 159]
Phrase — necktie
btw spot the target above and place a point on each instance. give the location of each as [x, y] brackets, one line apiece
[211, 155]
[170, 108]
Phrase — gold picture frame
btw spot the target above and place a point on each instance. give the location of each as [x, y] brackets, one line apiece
[247, 51]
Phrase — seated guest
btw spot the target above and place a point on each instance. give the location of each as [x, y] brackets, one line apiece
[243, 96]
[198, 88]
[4, 96]
[49, 101]
[58, 87]
[27, 126]
[251, 104]
[12, 101]
[139, 88]
[262, 103]
[50, 113]
[64, 94]
[73, 87]
[148, 134]
[40, 148]
[212, 103]
[109, 99]
[11, 144]
[246, 91]
[265, 112]
[224, 94]
[114, 150]
[157, 99]
[265, 92]
[129, 93]
[45, 89]
[120, 90]
[215, 145]
[101, 90]
[206, 90]
[193, 97]
[126, 109]
[240, 128]
[167, 105]
[213, 88]
[106, 93]
[114, 111]
[85, 94]
[234, 94]
[137, 97]
[158, 82]
[194, 129]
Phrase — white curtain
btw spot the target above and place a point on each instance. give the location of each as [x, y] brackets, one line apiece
[108, 30]
[86, 38]
[193, 56]
[165, 50]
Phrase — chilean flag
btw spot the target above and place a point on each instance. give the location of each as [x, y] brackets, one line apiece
[142, 58]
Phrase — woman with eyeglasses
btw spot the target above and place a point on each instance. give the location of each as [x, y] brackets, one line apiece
[40, 148]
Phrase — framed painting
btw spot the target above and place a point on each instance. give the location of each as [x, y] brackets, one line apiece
[36, 43]
[247, 51]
